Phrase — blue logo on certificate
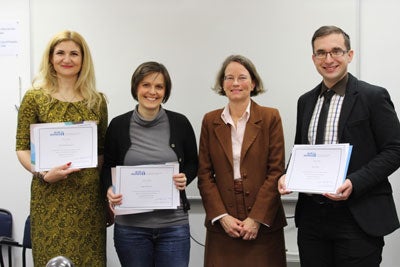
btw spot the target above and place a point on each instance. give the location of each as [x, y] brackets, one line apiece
[311, 154]
[139, 172]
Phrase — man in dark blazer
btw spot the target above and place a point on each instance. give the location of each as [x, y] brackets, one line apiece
[347, 228]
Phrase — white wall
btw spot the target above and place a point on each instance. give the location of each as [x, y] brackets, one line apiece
[379, 65]
[14, 76]
[192, 38]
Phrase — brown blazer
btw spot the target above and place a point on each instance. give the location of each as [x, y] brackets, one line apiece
[262, 163]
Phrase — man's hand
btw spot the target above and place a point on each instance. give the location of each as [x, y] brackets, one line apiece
[342, 193]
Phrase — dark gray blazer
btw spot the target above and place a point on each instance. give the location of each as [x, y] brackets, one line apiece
[369, 122]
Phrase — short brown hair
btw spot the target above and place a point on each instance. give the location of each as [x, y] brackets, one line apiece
[327, 30]
[245, 62]
[145, 69]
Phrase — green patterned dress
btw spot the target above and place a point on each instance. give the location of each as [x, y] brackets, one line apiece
[68, 217]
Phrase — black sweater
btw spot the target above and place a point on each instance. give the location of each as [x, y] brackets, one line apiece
[182, 141]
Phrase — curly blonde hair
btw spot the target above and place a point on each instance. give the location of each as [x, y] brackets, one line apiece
[46, 79]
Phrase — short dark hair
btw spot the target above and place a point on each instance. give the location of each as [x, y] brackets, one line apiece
[145, 69]
[327, 30]
[245, 62]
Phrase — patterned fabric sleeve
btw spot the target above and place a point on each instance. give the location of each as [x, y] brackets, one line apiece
[27, 114]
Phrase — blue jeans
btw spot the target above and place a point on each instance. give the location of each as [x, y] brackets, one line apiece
[148, 247]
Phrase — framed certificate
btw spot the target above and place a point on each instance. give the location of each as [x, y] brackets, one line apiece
[146, 187]
[54, 144]
[317, 168]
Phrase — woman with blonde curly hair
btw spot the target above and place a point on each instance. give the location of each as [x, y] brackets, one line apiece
[67, 210]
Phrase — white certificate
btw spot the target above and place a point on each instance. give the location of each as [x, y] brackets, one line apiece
[317, 168]
[146, 187]
[54, 144]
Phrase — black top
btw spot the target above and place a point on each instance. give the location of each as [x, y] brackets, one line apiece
[182, 141]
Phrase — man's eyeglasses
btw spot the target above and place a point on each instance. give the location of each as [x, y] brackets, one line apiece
[335, 53]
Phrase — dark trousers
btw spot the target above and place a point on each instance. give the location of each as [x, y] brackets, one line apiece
[328, 236]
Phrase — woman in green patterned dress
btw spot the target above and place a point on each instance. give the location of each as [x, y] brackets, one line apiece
[67, 208]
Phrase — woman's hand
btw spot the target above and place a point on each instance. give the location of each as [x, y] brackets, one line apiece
[250, 229]
[113, 199]
[232, 226]
[180, 181]
[282, 185]
[59, 173]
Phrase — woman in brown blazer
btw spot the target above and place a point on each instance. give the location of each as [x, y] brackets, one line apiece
[241, 157]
